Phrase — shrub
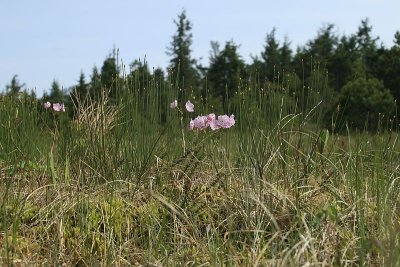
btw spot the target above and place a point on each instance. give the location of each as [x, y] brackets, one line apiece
[364, 102]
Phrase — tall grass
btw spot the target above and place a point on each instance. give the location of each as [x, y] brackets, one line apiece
[127, 183]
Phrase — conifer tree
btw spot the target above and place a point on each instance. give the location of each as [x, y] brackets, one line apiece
[56, 94]
[271, 57]
[388, 68]
[82, 87]
[342, 62]
[14, 88]
[95, 84]
[80, 92]
[285, 56]
[317, 55]
[367, 47]
[109, 75]
[226, 70]
[182, 66]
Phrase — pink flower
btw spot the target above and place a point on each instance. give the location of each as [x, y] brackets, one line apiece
[58, 107]
[174, 104]
[47, 105]
[212, 122]
[202, 122]
[211, 117]
[226, 121]
[189, 106]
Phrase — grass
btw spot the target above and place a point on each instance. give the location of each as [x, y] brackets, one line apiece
[125, 183]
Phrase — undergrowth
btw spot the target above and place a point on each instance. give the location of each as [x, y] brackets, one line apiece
[125, 182]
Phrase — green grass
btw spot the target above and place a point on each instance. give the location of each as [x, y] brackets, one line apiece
[127, 183]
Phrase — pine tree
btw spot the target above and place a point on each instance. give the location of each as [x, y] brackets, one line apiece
[80, 93]
[139, 75]
[14, 88]
[139, 70]
[32, 94]
[397, 39]
[226, 70]
[182, 65]
[367, 47]
[317, 55]
[95, 84]
[56, 94]
[81, 90]
[342, 62]
[285, 55]
[109, 75]
[388, 68]
[271, 58]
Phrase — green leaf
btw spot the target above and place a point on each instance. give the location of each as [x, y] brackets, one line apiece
[52, 168]
[323, 140]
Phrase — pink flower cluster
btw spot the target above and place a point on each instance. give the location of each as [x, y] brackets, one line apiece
[203, 122]
[56, 106]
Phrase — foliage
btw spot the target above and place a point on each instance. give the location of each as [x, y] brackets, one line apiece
[365, 100]
[126, 182]
[182, 66]
[271, 58]
[318, 53]
[95, 86]
[56, 93]
[342, 62]
[328, 58]
[121, 185]
[14, 88]
[226, 71]
[367, 47]
[388, 68]
[109, 75]
[79, 95]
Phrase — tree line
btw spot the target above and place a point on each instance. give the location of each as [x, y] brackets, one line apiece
[362, 74]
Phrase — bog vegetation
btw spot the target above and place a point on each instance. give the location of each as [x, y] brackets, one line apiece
[122, 172]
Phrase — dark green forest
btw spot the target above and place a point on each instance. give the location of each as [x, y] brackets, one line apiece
[359, 75]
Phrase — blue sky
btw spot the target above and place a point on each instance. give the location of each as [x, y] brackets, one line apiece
[44, 40]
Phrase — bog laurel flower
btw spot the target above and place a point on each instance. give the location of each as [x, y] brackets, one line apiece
[226, 121]
[58, 107]
[174, 104]
[213, 122]
[47, 105]
[202, 122]
[189, 106]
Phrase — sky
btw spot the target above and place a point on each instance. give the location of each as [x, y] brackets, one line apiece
[46, 40]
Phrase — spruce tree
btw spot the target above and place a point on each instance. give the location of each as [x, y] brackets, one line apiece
[80, 92]
[317, 55]
[388, 68]
[82, 87]
[95, 84]
[367, 47]
[271, 58]
[14, 88]
[182, 65]
[56, 94]
[285, 56]
[226, 70]
[109, 75]
[342, 62]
